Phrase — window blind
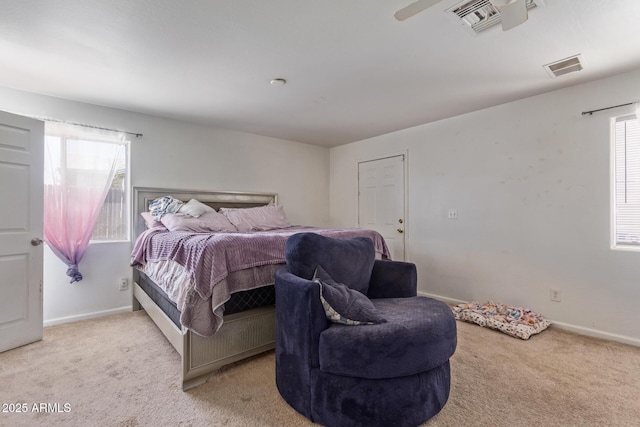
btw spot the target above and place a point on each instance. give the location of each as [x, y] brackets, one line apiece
[627, 181]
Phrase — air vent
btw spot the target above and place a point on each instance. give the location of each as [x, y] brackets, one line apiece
[479, 15]
[564, 66]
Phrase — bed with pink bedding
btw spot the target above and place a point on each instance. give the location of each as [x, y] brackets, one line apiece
[193, 269]
[186, 281]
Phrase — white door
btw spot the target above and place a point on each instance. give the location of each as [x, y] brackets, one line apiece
[381, 201]
[21, 194]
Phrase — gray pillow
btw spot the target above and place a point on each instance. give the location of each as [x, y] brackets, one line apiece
[344, 305]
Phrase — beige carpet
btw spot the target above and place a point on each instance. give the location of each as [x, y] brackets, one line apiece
[120, 371]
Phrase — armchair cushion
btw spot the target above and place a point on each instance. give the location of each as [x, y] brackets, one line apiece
[419, 335]
[348, 261]
[344, 305]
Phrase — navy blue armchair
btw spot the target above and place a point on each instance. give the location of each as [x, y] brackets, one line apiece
[394, 373]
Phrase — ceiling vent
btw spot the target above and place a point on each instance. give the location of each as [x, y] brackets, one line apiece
[564, 66]
[479, 15]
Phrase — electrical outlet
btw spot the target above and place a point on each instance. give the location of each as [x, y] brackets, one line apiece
[555, 295]
[124, 284]
[452, 214]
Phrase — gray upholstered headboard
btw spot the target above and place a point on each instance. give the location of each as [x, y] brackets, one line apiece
[142, 196]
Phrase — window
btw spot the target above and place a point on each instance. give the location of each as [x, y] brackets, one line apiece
[82, 159]
[626, 182]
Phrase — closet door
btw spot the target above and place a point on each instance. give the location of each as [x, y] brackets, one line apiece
[21, 199]
[381, 201]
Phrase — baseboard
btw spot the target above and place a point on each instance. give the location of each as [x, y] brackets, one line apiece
[560, 325]
[446, 300]
[597, 333]
[85, 316]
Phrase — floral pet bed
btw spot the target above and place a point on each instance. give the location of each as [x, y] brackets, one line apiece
[515, 321]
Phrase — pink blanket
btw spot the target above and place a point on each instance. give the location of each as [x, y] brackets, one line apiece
[210, 257]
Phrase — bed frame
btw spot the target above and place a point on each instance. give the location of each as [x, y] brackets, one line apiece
[242, 334]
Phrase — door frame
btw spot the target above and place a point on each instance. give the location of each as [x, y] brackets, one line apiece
[405, 196]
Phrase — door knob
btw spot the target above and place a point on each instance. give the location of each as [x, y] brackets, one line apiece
[36, 241]
[400, 230]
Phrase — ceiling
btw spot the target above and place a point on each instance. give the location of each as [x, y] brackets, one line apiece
[352, 70]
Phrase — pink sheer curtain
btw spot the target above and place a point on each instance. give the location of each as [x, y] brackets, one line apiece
[79, 170]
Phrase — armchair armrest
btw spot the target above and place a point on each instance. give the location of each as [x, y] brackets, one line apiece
[300, 318]
[299, 313]
[393, 279]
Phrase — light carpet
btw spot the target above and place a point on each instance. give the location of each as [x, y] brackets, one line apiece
[121, 371]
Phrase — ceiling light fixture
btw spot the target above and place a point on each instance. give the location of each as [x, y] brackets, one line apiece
[278, 82]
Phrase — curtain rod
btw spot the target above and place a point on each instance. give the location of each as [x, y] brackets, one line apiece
[584, 113]
[46, 119]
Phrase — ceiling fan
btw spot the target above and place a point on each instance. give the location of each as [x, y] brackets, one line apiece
[513, 12]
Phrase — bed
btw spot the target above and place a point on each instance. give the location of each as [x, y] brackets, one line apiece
[240, 320]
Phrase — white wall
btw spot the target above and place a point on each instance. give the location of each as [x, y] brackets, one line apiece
[530, 181]
[174, 154]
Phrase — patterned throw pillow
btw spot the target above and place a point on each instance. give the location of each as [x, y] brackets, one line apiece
[344, 305]
[164, 205]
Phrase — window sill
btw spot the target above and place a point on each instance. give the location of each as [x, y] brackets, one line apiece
[101, 242]
[626, 248]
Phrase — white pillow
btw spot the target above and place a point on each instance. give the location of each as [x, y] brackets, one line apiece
[207, 222]
[255, 219]
[195, 208]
